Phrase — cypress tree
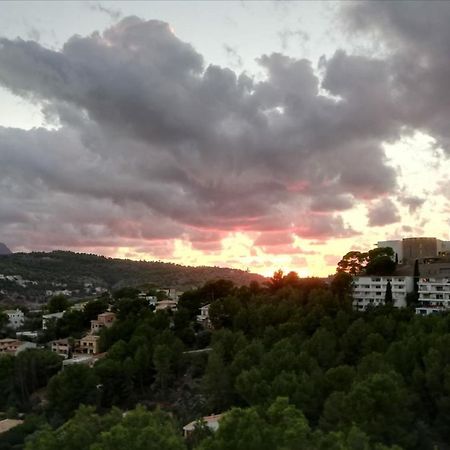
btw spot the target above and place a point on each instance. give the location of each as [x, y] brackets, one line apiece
[388, 300]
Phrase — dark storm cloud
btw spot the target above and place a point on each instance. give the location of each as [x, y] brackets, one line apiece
[416, 38]
[149, 133]
[383, 212]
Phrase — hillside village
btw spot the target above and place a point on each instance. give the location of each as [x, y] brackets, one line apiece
[160, 344]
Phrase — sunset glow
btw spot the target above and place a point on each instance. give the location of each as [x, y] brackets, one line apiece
[182, 133]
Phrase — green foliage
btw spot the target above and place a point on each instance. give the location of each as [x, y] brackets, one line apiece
[377, 261]
[72, 386]
[22, 375]
[57, 303]
[135, 430]
[355, 380]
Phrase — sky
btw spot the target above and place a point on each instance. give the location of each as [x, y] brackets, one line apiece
[254, 135]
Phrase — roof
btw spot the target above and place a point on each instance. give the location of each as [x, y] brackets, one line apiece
[12, 311]
[8, 340]
[210, 420]
[7, 424]
[90, 337]
[61, 341]
[57, 315]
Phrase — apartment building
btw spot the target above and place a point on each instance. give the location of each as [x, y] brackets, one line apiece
[410, 249]
[434, 295]
[371, 290]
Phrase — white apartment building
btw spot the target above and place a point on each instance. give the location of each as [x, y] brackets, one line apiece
[434, 295]
[371, 290]
[16, 318]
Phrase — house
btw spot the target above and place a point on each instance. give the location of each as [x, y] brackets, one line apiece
[47, 318]
[166, 304]
[89, 344]
[371, 290]
[78, 306]
[62, 347]
[212, 422]
[89, 360]
[8, 424]
[16, 318]
[14, 346]
[203, 317]
[105, 319]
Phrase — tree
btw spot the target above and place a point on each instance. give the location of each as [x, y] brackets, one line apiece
[388, 300]
[416, 275]
[73, 386]
[281, 426]
[341, 285]
[141, 430]
[57, 303]
[352, 262]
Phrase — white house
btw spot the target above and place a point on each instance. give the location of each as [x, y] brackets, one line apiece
[203, 317]
[46, 318]
[16, 318]
[212, 422]
[434, 295]
[371, 290]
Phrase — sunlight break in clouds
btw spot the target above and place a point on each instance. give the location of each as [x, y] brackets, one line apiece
[156, 153]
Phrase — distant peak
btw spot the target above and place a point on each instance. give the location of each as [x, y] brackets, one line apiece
[4, 250]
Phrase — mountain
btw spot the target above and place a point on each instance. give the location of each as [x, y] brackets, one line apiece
[4, 250]
[73, 270]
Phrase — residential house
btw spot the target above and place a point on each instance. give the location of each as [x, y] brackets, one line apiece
[8, 424]
[14, 346]
[203, 317]
[212, 422]
[105, 319]
[47, 318]
[16, 318]
[63, 347]
[89, 344]
[166, 304]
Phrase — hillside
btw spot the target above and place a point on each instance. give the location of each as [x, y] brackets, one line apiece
[73, 270]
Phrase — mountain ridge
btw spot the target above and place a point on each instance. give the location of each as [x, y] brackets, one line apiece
[66, 268]
[4, 250]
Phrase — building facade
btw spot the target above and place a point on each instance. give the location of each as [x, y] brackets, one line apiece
[371, 290]
[434, 295]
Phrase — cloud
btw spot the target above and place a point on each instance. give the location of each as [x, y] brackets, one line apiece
[383, 212]
[114, 14]
[416, 41]
[413, 203]
[151, 144]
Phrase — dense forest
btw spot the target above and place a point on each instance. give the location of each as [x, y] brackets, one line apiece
[74, 269]
[290, 363]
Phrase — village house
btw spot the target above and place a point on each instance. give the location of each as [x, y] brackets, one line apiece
[14, 346]
[203, 317]
[8, 424]
[212, 422]
[166, 304]
[89, 344]
[16, 318]
[105, 319]
[47, 318]
[63, 347]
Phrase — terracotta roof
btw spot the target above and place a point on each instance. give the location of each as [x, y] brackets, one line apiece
[7, 424]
